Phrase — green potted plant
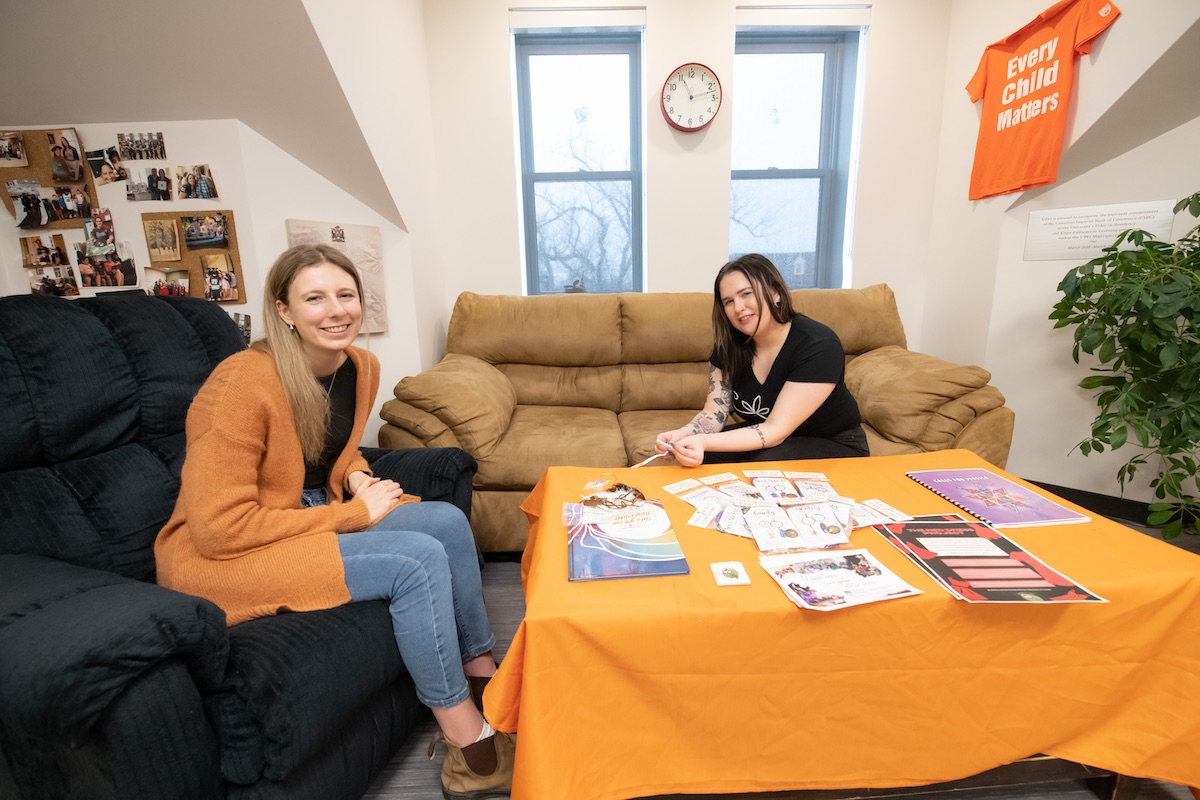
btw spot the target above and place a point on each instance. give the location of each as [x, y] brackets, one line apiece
[1136, 308]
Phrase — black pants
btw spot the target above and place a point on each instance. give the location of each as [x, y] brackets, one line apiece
[847, 444]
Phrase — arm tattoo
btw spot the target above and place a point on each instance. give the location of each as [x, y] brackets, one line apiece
[758, 429]
[722, 397]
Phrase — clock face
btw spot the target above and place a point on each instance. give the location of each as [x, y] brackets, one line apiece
[691, 97]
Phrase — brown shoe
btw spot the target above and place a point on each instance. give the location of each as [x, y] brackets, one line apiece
[477, 771]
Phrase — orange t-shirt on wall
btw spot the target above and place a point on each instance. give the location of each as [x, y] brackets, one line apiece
[1025, 81]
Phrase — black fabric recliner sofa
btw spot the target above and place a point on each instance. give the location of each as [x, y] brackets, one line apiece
[112, 686]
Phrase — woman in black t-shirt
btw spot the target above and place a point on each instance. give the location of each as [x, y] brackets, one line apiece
[781, 372]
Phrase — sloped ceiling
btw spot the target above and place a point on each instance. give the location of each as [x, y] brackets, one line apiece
[1162, 99]
[257, 61]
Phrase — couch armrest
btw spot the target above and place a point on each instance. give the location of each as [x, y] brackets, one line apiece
[442, 473]
[468, 395]
[919, 399]
[72, 639]
[409, 426]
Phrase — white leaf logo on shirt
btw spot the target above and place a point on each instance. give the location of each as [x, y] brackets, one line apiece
[755, 409]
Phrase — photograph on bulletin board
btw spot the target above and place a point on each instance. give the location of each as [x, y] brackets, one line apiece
[46, 250]
[142, 146]
[162, 239]
[65, 163]
[53, 281]
[147, 183]
[196, 182]
[114, 269]
[12, 149]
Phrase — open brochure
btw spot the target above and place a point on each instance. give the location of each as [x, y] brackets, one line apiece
[832, 580]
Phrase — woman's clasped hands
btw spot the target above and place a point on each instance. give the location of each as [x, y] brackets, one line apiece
[378, 493]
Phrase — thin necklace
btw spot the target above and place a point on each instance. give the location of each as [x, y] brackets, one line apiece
[332, 380]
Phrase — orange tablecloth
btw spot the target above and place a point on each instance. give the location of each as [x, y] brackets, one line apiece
[627, 688]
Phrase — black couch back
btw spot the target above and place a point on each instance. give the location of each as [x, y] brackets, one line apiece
[93, 399]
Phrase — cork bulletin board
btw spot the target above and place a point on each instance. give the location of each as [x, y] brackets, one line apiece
[51, 167]
[204, 244]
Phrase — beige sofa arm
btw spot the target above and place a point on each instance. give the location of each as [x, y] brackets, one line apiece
[466, 395]
[919, 400]
[409, 426]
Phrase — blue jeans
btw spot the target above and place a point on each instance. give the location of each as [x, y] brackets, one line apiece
[421, 558]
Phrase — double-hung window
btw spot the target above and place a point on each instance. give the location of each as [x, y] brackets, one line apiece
[579, 111]
[792, 125]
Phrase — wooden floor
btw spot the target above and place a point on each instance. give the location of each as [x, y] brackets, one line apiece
[412, 776]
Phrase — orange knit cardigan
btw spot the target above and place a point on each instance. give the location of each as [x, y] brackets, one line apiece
[238, 535]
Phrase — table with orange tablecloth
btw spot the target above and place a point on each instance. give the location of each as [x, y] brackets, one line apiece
[658, 685]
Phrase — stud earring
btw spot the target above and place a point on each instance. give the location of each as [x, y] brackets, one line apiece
[292, 328]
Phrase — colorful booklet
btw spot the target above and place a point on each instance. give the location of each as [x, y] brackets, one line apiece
[633, 541]
[826, 581]
[994, 499]
[975, 562]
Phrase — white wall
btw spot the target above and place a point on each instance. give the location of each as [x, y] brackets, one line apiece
[470, 62]
[984, 303]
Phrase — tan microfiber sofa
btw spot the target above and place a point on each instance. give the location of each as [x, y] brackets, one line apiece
[589, 380]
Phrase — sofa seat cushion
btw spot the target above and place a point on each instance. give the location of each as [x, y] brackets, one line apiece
[639, 429]
[539, 437]
[292, 682]
[916, 398]
[466, 393]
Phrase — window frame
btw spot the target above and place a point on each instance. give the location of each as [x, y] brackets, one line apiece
[838, 96]
[526, 44]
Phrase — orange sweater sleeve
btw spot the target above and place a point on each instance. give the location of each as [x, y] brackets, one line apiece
[244, 470]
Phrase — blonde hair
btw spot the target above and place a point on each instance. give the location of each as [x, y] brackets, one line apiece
[306, 397]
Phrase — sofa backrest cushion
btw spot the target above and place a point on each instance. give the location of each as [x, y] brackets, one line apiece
[471, 396]
[635, 351]
[560, 350]
[863, 319]
[95, 395]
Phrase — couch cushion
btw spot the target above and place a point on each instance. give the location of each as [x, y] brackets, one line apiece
[664, 386]
[904, 408]
[864, 319]
[546, 436]
[590, 387]
[639, 429]
[292, 682]
[663, 328]
[466, 393]
[566, 330]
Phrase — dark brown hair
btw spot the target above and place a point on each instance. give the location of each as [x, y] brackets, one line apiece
[734, 349]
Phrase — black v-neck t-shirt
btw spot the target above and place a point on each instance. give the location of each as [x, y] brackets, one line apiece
[342, 396]
[812, 353]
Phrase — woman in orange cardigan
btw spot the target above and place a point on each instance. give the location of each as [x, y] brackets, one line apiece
[278, 517]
